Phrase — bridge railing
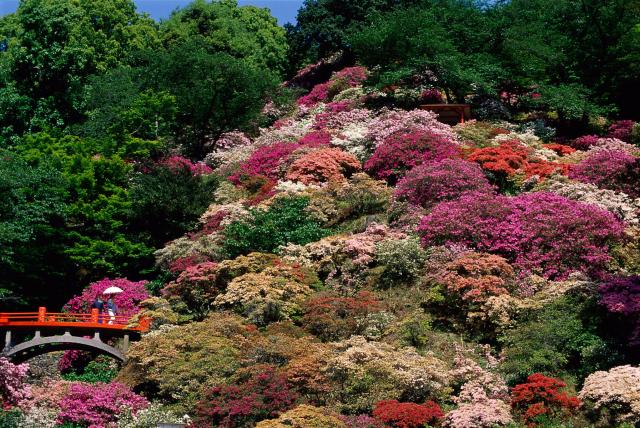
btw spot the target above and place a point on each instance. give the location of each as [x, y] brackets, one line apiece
[65, 319]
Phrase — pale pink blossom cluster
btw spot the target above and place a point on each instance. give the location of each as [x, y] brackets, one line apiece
[615, 393]
[13, 386]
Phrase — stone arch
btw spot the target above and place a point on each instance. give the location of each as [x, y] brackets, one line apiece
[40, 345]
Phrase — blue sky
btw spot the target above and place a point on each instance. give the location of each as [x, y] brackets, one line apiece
[284, 10]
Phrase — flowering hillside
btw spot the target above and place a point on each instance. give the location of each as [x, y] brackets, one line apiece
[322, 252]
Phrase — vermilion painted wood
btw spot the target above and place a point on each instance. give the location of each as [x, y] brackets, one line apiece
[42, 318]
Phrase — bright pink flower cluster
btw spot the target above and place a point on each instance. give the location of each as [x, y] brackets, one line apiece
[621, 130]
[179, 163]
[610, 169]
[352, 75]
[316, 139]
[408, 415]
[128, 301]
[525, 230]
[265, 161]
[263, 395]
[402, 151]
[622, 295]
[442, 180]
[319, 93]
[13, 386]
[98, 405]
[432, 96]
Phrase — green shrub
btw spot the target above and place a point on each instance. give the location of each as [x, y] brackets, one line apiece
[402, 261]
[284, 222]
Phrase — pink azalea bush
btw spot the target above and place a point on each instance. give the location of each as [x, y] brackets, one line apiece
[584, 142]
[525, 230]
[179, 163]
[128, 302]
[98, 405]
[443, 180]
[610, 169]
[391, 122]
[266, 161]
[402, 151]
[13, 386]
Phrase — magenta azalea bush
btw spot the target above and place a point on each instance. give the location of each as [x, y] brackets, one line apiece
[13, 389]
[98, 405]
[526, 230]
[443, 180]
[128, 301]
[621, 295]
[402, 151]
[610, 169]
[179, 163]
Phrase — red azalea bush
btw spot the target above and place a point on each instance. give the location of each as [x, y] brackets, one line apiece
[322, 166]
[331, 317]
[525, 230]
[401, 151]
[621, 295]
[408, 415]
[512, 157]
[98, 405]
[610, 169]
[560, 149]
[585, 142]
[263, 395]
[13, 386]
[443, 180]
[507, 158]
[128, 301]
[621, 130]
[542, 395]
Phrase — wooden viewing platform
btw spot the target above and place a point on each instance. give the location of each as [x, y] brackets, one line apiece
[450, 113]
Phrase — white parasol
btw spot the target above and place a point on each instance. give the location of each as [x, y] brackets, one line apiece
[113, 290]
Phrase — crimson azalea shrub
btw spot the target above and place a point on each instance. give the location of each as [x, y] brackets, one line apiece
[621, 130]
[98, 405]
[408, 415]
[403, 150]
[179, 163]
[610, 169]
[331, 317]
[621, 295]
[444, 180]
[525, 230]
[128, 301]
[584, 142]
[324, 165]
[541, 399]
[262, 395]
[13, 386]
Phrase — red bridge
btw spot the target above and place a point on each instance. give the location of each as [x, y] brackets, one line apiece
[28, 334]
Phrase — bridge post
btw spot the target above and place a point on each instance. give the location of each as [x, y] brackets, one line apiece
[42, 314]
[125, 343]
[94, 315]
[7, 340]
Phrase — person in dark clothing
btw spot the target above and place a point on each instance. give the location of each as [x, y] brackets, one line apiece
[98, 304]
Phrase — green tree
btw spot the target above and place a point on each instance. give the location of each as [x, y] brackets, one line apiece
[32, 211]
[246, 32]
[55, 45]
[215, 93]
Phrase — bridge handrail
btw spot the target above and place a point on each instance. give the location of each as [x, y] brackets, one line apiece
[93, 319]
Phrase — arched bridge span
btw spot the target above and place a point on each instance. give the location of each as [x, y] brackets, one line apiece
[29, 334]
